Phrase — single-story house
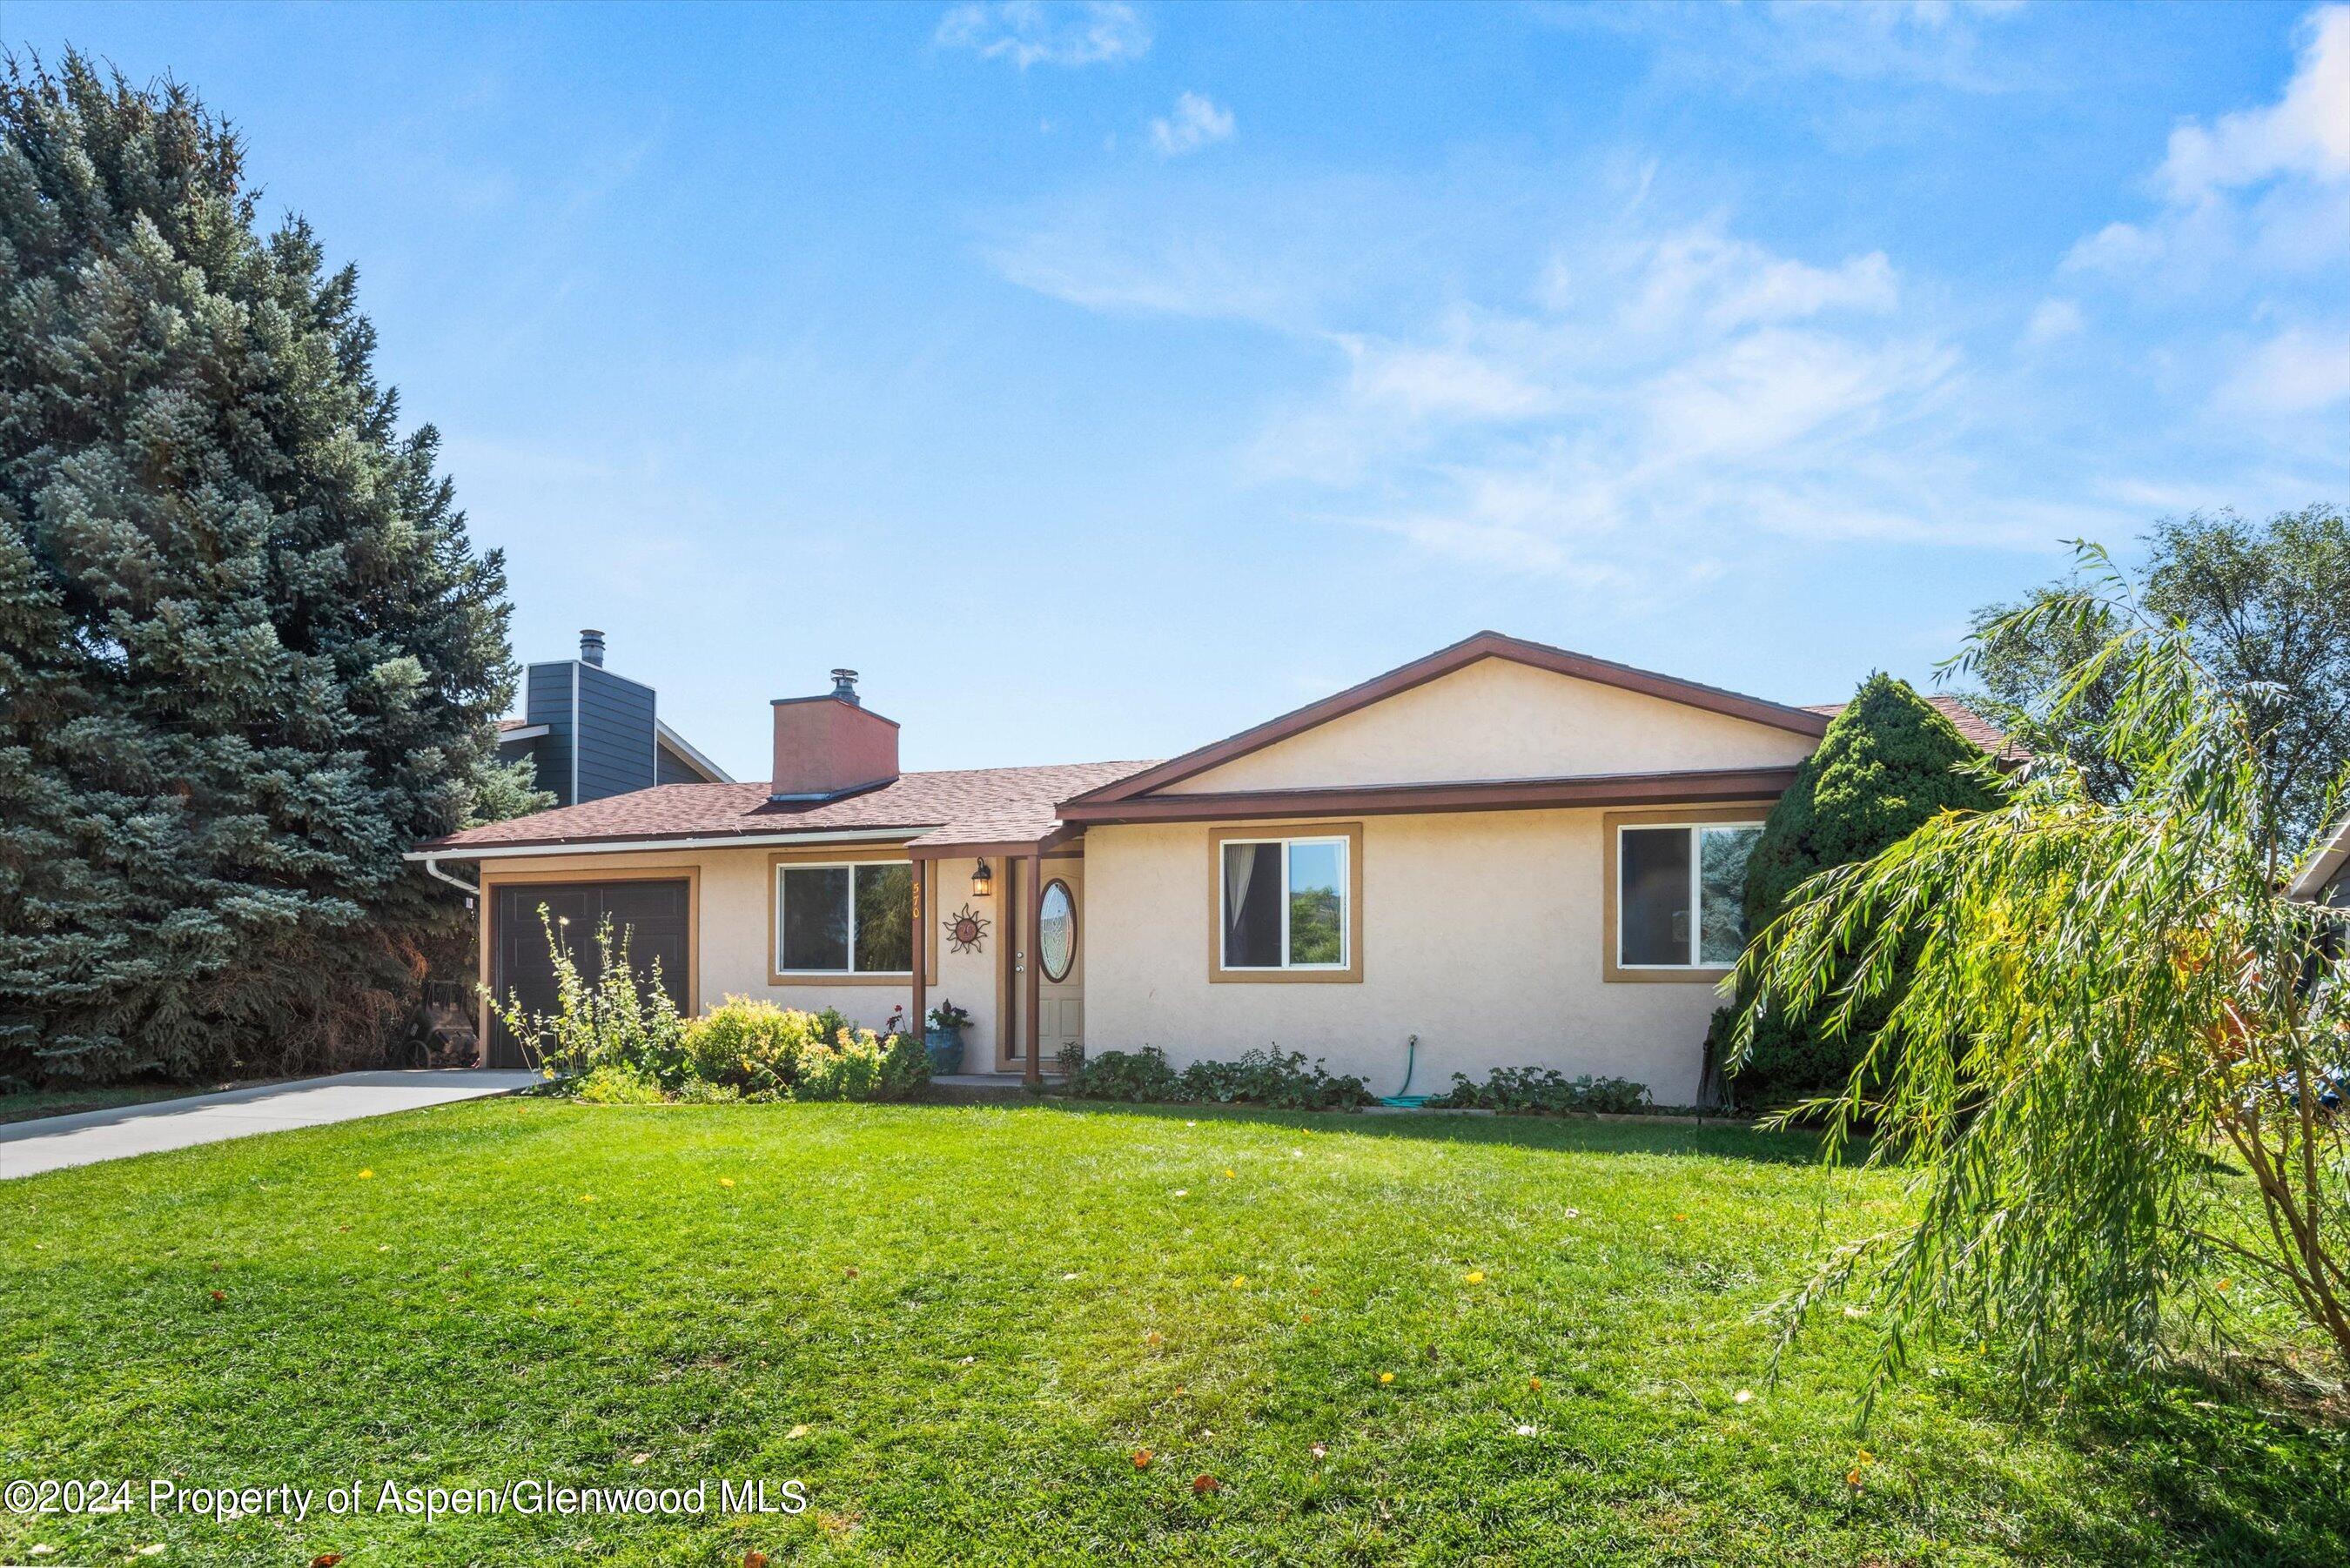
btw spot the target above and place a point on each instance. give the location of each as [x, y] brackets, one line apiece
[1516, 853]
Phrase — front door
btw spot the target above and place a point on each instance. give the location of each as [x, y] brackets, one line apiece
[651, 918]
[1060, 958]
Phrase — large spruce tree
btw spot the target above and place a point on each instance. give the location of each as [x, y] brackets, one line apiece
[247, 653]
[1889, 762]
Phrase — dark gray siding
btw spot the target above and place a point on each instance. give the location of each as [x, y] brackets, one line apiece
[615, 734]
[672, 771]
[547, 700]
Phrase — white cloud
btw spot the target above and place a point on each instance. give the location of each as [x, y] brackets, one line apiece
[1197, 122]
[2260, 192]
[2053, 319]
[2305, 133]
[2298, 371]
[1028, 33]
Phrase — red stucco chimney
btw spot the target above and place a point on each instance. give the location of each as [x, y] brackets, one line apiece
[830, 744]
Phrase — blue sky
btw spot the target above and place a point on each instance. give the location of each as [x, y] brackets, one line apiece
[1100, 379]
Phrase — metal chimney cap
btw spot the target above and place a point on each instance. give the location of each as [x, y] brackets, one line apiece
[844, 686]
[591, 646]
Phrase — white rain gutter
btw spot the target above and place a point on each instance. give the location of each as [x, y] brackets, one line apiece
[428, 858]
[431, 863]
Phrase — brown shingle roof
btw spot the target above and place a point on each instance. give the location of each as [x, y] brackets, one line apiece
[969, 806]
[1970, 723]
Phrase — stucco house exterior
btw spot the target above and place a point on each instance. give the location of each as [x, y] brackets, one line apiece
[1517, 854]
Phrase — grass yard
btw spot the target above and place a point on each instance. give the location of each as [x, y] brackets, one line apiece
[955, 1326]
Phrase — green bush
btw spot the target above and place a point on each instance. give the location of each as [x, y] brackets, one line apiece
[752, 1046]
[861, 1066]
[1280, 1079]
[1887, 764]
[1544, 1089]
[616, 1083]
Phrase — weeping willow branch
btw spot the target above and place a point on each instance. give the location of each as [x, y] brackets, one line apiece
[2085, 1001]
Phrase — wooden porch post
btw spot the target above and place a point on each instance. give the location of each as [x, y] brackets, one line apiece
[921, 929]
[1032, 932]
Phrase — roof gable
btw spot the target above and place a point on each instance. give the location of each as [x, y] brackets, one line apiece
[1188, 771]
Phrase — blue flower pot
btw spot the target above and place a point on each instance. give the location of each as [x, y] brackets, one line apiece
[945, 1048]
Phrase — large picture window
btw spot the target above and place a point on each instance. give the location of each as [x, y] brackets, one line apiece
[1680, 894]
[845, 919]
[1283, 904]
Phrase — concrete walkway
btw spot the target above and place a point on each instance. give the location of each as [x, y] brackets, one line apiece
[52, 1143]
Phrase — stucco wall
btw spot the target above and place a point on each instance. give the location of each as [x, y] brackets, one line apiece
[1500, 719]
[1482, 934]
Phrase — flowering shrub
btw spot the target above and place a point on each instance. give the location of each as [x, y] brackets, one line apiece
[621, 1021]
[620, 1042]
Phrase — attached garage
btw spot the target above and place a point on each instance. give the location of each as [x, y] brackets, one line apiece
[653, 916]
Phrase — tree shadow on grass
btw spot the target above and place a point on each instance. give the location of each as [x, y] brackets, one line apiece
[2227, 1475]
[1730, 1140]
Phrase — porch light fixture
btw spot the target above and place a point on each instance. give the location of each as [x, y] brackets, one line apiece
[982, 881]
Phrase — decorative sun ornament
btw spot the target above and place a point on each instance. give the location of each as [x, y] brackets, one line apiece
[967, 931]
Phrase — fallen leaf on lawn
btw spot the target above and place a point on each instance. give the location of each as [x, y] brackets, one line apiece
[365, 1175]
[1067, 1278]
[326, 1559]
[1574, 1213]
[1742, 1396]
[1852, 1479]
[1182, 1193]
[1386, 1378]
[754, 1558]
[725, 1181]
[1474, 1276]
[586, 1198]
[1190, 1124]
[851, 1273]
[220, 1295]
[1238, 1281]
[1525, 1431]
[1855, 1312]
[1181, 1388]
[1534, 1384]
[1230, 1174]
[1153, 1337]
[967, 1361]
[154, 1551]
[1319, 1451]
[798, 1431]
[1306, 1317]
[1203, 1485]
[639, 1458]
[1142, 1459]
[385, 1248]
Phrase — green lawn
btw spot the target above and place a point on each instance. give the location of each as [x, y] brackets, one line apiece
[955, 1325]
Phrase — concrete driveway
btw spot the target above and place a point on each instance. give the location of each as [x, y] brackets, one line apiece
[88, 1136]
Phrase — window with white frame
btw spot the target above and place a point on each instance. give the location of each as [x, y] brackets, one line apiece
[1680, 894]
[1282, 904]
[845, 919]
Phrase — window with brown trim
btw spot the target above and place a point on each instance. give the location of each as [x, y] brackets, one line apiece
[1680, 894]
[851, 918]
[1283, 903]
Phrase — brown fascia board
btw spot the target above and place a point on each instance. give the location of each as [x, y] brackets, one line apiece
[1693, 787]
[1442, 662]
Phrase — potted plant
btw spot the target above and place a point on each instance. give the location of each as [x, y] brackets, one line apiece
[944, 1038]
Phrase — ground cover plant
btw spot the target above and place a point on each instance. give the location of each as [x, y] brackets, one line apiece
[1280, 1080]
[1023, 1334]
[1539, 1091]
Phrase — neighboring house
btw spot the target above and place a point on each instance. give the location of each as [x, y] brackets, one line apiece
[591, 734]
[2326, 879]
[1519, 854]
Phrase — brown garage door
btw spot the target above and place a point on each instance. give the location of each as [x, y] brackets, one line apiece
[653, 919]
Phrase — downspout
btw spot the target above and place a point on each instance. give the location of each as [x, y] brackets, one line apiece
[473, 890]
